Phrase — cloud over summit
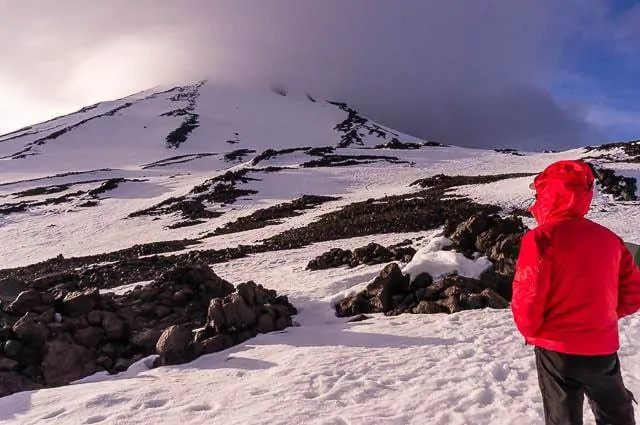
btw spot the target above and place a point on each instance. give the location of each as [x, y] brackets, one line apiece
[461, 72]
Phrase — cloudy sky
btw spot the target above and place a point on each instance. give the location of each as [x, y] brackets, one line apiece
[521, 73]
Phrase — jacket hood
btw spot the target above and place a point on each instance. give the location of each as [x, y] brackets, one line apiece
[563, 190]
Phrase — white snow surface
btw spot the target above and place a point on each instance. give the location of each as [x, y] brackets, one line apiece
[467, 368]
[438, 263]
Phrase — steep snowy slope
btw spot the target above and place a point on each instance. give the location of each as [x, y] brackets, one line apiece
[120, 174]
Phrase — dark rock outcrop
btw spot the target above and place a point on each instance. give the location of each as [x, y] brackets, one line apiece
[370, 254]
[66, 334]
[392, 293]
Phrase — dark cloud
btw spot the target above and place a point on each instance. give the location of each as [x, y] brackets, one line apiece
[463, 72]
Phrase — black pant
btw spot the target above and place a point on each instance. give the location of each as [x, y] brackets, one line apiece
[565, 379]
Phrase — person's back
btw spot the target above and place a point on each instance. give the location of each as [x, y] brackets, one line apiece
[574, 280]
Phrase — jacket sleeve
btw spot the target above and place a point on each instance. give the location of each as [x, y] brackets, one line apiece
[531, 283]
[629, 285]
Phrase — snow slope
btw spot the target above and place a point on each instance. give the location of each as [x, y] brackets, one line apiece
[467, 368]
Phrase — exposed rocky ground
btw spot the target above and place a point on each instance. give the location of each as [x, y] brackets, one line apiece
[370, 254]
[29, 148]
[413, 212]
[56, 336]
[273, 215]
[350, 160]
[82, 198]
[509, 151]
[190, 121]
[179, 159]
[631, 151]
[220, 189]
[354, 128]
[620, 187]
[394, 293]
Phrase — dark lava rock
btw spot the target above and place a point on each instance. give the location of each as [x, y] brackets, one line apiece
[65, 362]
[30, 332]
[10, 288]
[12, 348]
[359, 318]
[428, 307]
[80, 303]
[25, 301]
[175, 346]
[12, 382]
[89, 337]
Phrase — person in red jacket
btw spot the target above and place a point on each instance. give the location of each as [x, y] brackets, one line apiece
[574, 280]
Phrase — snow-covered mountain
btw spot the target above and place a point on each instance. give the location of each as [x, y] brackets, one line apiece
[224, 171]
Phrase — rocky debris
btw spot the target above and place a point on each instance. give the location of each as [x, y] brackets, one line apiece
[252, 309]
[44, 190]
[190, 122]
[175, 346]
[630, 149]
[237, 155]
[65, 362]
[398, 145]
[393, 293]
[12, 382]
[24, 301]
[68, 334]
[57, 133]
[509, 152]
[350, 160]
[422, 210]
[355, 127]
[178, 159]
[273, 215]
[620, 187]
[122, 267]
[220, 189]
[370, 254]
[107, 185]
[272, 153]
[495, 237]
[414, 212]
[443, 181]
[359, 318]
[186, 223]
[26, 205]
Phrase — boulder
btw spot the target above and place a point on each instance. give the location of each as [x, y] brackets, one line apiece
[7, 364]
[423, 280]
[94, 318]
[354, 305]
[494, 300]
[65, 362]
[215, 316]
[428, 307]
[30, 332]
[146, 340]
[359, 318]
[12, 382]
[89, 337]
[12, 348]
[266, 323]
[238, 314]
[25, 302]
[390, 282]
[5, 333]
[451, 304]
[114, 327]
[472, 301]
[80, 302]
[217, 343]
[175, 346]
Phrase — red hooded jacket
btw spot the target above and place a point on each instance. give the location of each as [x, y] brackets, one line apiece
[574, 278]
